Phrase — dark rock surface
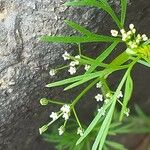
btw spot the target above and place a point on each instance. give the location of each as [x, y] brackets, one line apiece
[25, 61]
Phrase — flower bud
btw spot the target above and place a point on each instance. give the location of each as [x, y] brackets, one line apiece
[43, 129]
[44, 101]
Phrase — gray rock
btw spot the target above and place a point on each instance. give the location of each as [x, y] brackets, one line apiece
[25, 61]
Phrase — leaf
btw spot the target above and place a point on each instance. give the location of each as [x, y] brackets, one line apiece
[127, 95]
[144, 63]
[93, 123]
[102, 4]
[78, 39]
[77, 78]
[121, 59]
[100, 139]
[95, 63]
[105, 6]
[81, 3]
[123, 11]
[79, 28]
[147, 42]
[102, 57]
[115, 145]
[96, 74]
[105, 125]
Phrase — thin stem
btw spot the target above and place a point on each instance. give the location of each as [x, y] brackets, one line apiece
[54, 120]
[63, 67]
[56, 102]
[75, 114]
[84, 91]
[88, 58]
[79, 45]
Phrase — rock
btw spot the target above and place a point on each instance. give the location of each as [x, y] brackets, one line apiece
[25, 61]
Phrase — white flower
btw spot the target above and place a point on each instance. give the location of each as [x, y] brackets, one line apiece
[120, 95]
[54, 116]
[122, 31]
[114, 33]
[127, 112]
[103, 112]
[133, 30]
[99, 85]
[66, 116]
[65, 108]
[72, 70]
[52, 72]
[78, 56]
[66, 56]
[144, 37]
[72, 63]
[99, 97]
[131, 26]
[124, 37]
[80, 131]
[76, 61]
[129, 33]
[87, 67]
[139, 37]
[61, 130]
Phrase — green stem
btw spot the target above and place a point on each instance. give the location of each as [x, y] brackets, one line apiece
[62, 68]
[79, 45]
[75, 114]
[84, 91]
[55, 102]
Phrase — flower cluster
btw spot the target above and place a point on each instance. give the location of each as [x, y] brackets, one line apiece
[64, 112]
[99, 97]
[130, 37]
[80, 131]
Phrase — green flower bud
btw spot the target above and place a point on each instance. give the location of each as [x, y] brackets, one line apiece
[44, 101]
[43, 129]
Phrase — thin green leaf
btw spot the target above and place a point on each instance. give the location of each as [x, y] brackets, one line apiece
[144, 63]
[147, 42]
[102, 57]
[97, 74]
[102, 4]
[127, 95]
[93, 123]
[77, 78]
[104, 129]
[80, 3]
[78, 39]
[79, 28]
[115, 145]
[123, 11]
[102, 135]
[105, 6]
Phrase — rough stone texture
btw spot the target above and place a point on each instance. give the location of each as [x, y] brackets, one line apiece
[25, 61]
